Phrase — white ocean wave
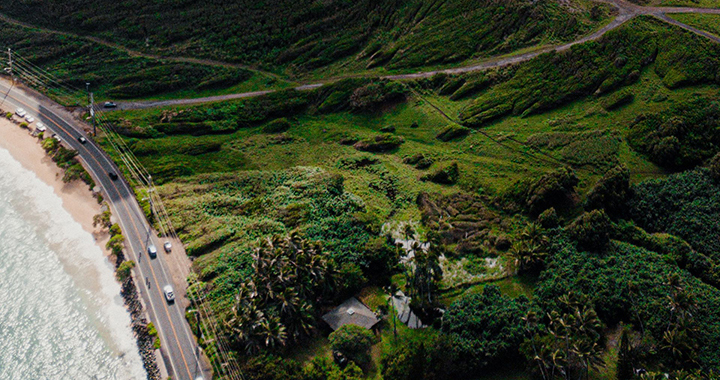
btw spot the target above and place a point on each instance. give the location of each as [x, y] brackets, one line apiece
[61, 314]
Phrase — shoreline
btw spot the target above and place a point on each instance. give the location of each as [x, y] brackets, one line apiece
[82, 205]
[77, 198]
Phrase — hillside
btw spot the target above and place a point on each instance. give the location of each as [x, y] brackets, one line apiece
[297, 37]
[530, 175]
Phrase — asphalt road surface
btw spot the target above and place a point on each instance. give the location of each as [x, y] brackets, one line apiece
[179, 348]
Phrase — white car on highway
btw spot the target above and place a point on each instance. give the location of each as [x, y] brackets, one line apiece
[20, 112]
[169, 294]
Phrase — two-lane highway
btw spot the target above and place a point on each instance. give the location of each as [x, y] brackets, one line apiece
[179, 348]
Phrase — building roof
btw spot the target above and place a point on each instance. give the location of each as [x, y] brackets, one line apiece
[353, 312]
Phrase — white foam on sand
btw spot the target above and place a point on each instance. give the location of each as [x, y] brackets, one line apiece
[61, 313]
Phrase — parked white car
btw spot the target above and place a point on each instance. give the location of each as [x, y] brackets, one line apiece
[40, 127]
[20, 112]
[29, 119]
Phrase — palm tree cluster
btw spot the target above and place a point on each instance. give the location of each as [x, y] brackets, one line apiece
[570, 345]
[530, 250]
[423, 275]
[290, 277]
[679, 336]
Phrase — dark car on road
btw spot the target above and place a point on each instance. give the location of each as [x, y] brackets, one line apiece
[82, 140]
[113, 176]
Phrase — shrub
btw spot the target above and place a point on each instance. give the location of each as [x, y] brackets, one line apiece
[115, 244]
[549, 218]
[555, 189]
[591, 230]
[617, 100]
[452, 132]
[446, 175]
[152, 331]
[352, 341]
[115, 230]
[375, 94]
[715, 167]
[678, 138]
[123, 270]
[388, 129]
[276, 126]
[484, 328]
[9, 115]
[610, 192]
[380, 143]
[24, 125]
[420, 161]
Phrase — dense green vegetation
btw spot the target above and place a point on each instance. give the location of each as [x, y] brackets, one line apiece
[306, 35]
[567, 192]
[553, 79]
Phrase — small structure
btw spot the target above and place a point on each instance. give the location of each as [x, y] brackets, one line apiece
[401, 303]
[353, 312]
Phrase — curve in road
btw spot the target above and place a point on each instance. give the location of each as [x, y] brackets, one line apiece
[626, 12]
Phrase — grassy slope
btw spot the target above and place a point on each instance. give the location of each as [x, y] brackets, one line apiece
[116, 74]
[486, 166]
[708, 23]
[301, 37]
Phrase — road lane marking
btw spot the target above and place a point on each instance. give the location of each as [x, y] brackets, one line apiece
[134, 225]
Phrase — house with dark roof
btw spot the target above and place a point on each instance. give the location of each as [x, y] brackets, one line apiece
[353, 312]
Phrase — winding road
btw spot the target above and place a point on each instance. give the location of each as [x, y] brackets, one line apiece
[180, 351]
[626, 11]
[179, 348]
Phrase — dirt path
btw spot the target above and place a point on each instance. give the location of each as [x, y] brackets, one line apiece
[626, 11]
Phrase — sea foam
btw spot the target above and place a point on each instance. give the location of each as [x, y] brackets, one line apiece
[61, 314]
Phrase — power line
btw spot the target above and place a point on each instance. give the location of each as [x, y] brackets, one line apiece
[43, 79]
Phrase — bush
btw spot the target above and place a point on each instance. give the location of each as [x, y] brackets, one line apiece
[115, 244]
[678, 138]
[555, 189]
[617, 100]
[380, 143]
[375, 94]
[9, 115]
[276, 126]
[591, 230]
[715, 167]
[549, 218]
[115, 230]
[446, 175]
[420, 161]
[123, 271]
[610, 192]
[452, 132]
[484, 329]
[352, 341]
[24, 125]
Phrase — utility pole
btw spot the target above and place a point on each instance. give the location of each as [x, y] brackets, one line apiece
[10, 63]
[91, 101]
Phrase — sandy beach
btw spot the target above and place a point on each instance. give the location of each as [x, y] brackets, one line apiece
[76, 197]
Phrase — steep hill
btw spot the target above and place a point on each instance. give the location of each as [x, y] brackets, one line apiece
[308, 34]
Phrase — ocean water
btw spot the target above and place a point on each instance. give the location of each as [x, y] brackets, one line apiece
[61, 313]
